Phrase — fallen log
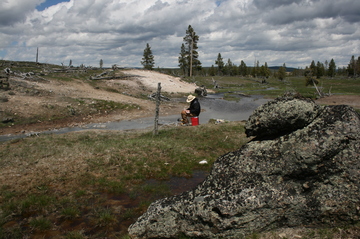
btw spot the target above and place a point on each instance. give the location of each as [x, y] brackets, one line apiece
[111, 77]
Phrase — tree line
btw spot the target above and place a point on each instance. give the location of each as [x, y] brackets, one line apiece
[189, 64]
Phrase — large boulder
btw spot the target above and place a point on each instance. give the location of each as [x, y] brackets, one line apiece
[281, 116]
[305, 173]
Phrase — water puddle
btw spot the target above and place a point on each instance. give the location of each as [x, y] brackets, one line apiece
[178, 185]
[127, 207]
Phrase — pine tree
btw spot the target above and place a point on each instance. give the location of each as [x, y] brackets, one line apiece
[148, 59]
[353, 66]
[220, 64]
[256, 69]
[332, 68]
[267, 71]
[183, 60]
[282, 72]
[313, 68]
[234, 70]
[243, 69]
[212, 71]
[320, 69]
[228, 69]
[264, 71]
[191, 40]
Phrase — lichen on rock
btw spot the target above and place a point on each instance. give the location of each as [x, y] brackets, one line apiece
[301, 169]
[281, 116]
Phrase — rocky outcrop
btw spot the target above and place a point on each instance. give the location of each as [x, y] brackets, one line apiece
[282, 116]
[201, 91]
[302, 168]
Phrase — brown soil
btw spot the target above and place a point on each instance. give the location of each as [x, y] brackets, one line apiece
[351, 100]
[50, 98]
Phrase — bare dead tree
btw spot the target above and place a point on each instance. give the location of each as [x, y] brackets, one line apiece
[157, 110]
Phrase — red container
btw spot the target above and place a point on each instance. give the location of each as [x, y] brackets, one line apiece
[194, 121]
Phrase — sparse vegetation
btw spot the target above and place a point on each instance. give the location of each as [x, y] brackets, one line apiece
[105, 217]
[70, 212]
[40, 223]
[75, 235]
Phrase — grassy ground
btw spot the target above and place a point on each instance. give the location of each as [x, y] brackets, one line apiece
[95, 184]
[273, 87]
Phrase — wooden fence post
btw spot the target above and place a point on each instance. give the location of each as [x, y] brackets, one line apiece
[156, 121]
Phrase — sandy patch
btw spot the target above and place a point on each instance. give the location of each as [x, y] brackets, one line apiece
[168, 83]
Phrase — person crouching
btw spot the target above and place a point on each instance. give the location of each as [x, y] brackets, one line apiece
[192, 111]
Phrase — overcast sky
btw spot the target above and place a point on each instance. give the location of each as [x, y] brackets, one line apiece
[294, 32]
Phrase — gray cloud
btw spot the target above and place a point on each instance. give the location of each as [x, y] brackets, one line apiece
[12, 11]
[302, 10]
[265, 4]
[278, 31]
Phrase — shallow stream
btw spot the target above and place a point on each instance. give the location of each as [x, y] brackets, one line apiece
[213, 106]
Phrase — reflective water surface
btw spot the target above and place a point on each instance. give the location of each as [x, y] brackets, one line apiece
[213, 106]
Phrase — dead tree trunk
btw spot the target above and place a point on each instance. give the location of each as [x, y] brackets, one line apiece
[37, 55]
[317, 89]
[157, 110]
